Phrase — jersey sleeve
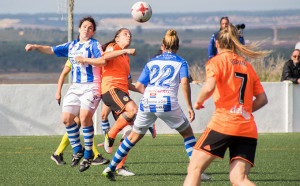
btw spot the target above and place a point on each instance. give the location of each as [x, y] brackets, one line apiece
[111, 47]
[97, 49]
[184, 70]
[211, 70]
[61, 50]
[145, 76]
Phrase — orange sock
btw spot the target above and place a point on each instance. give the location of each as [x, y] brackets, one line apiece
[118, 126]
[120, 165]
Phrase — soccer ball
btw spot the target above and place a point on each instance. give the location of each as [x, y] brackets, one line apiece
[141, 11]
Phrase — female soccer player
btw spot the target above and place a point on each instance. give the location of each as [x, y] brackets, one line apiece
[233, 83]
[160, 81]
[84, 95]
[58, 154]
[114, 86]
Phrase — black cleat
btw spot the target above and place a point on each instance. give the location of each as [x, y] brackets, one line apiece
[85, 164]
[58, 159]
[109, 174]
[100, 160]
[77, 157]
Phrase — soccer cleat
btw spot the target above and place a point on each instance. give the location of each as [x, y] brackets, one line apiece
[109, 174]
[153, 130]
[58, 159]
[77, 157]
[204, 177]
[108, 143]
[100, 160]
[85, 164]
[123, 172]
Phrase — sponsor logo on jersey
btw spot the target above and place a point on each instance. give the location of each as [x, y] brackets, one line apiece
[152, 94]
[125, 98]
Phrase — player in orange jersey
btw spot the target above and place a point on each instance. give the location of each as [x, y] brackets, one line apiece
[114, 85]
[233, 83]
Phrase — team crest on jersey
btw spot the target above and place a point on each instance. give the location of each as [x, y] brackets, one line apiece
[125, 98]
[109, 49]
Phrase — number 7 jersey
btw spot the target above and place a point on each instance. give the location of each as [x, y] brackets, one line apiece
[236, 85]
[162, 75]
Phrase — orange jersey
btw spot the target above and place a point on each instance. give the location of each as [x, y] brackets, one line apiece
[115, 73]
[236, 85]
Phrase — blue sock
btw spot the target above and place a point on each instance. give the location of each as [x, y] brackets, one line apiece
[122, 151]
[88, 134]
[105, 125]
[189, 143]
[73, 135]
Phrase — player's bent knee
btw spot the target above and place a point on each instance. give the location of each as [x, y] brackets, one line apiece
[193, 168]
[129, 118]
[182, 128]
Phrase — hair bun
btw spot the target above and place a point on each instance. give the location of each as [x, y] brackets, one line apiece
[171, 32]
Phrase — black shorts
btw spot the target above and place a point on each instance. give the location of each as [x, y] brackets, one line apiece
[116, 100]
[216, 144]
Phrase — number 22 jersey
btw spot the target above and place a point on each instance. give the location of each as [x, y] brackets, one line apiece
[162, 75]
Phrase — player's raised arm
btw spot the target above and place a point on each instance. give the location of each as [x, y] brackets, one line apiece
[92, 61]
[40, 48]
[117, 53]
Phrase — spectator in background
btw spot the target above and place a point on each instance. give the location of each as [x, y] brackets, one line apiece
[291, 69]
[212, 50]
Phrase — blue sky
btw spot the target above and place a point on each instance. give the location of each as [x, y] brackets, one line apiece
[158, 6]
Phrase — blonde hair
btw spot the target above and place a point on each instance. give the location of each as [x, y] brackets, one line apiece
[171, 41]
[228, 39]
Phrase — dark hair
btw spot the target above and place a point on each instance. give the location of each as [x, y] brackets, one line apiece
[226, 18]
[114, 39]
[90, 19]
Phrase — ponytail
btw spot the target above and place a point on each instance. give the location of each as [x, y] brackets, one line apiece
[228, 39]
[171, 41]
[114, 39]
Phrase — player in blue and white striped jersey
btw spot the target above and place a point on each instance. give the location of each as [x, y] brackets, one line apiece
[84, 95]
[160, 81]
[81, 73]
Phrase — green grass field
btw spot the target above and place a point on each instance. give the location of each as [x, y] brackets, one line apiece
[25, 160]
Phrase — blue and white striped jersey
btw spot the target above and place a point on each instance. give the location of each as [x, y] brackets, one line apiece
[162, 76]
[81, 73]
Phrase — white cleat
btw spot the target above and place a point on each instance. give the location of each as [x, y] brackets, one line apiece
[123, 172]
